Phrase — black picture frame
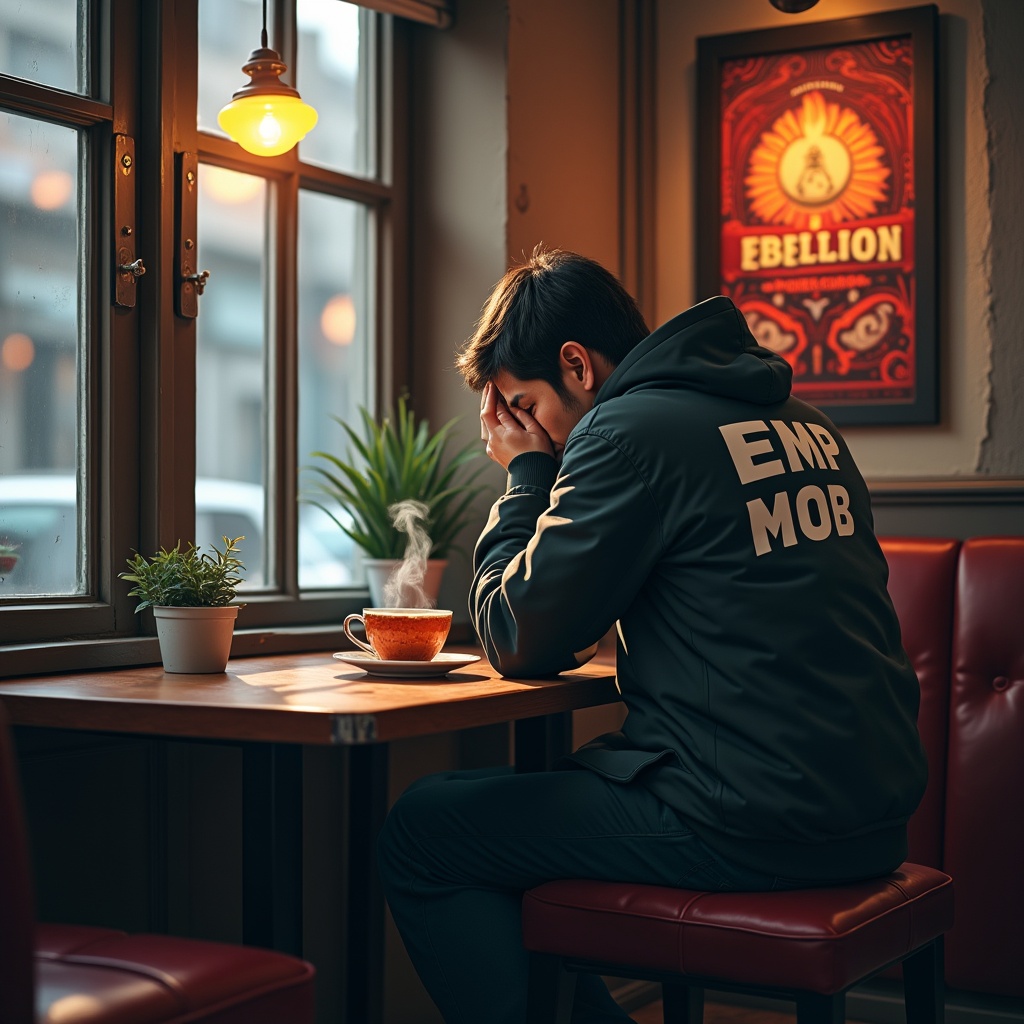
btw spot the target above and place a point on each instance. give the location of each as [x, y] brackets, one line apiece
[853, 53]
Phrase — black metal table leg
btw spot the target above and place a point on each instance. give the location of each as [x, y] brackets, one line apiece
[272, 846]
[367, 787]
[539, 742]
[159, 884]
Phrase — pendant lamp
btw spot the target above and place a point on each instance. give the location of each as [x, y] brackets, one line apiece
[265, 116]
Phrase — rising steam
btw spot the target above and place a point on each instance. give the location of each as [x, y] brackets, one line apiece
[404, 588]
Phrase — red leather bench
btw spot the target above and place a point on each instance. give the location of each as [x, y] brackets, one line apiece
[69, 974]
[960, 608]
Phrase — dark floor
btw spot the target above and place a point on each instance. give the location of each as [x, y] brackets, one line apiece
[880, 1002]
[718, 1013]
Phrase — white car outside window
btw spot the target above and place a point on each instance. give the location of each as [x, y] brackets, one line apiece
[38, 514]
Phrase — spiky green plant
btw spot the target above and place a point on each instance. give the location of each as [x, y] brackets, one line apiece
[186, 579]
[398, 458]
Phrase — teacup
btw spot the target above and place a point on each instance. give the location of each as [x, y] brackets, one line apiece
[401, 634]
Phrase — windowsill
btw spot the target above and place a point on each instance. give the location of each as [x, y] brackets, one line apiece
[125, 652]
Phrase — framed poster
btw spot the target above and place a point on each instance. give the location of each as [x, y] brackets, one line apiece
[816, 199]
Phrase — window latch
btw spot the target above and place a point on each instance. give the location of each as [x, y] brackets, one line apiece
[190, 281]
[199, 280]
[128, 267]
[136, 268]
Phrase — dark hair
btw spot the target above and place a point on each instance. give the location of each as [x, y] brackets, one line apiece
[555, 297]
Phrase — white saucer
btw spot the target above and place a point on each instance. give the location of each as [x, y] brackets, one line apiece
[441, 665]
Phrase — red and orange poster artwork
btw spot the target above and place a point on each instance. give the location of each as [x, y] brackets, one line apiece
[817, 218]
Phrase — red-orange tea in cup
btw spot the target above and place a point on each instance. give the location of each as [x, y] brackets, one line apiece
[402, 634]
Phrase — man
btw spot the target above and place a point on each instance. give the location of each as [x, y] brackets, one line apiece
[669, 485]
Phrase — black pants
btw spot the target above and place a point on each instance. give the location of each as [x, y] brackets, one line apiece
[458, 849]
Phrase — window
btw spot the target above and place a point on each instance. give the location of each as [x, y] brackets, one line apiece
[43, 353]
[61, 94]
[128, 425]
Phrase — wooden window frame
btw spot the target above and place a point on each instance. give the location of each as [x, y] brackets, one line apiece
[141, 381]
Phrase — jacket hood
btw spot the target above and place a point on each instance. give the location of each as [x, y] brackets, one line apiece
[707, 348]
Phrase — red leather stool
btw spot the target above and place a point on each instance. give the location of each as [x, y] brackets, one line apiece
[806, 945]
[73, 974]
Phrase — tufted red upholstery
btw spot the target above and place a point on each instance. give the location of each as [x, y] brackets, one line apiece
[984, 833]
[89, 975]
[960, 609]
[816, 940]
[922, 577]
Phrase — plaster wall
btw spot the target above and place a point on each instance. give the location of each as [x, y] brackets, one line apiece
[517, 142]
[564, 128]
[979, 217]
[521, 139]
[1001, 448]
[458, 174]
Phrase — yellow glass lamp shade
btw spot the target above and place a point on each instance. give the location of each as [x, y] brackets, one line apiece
[266, 117]
[267, 125]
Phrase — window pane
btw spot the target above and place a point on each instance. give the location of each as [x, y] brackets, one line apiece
[333, 74]
[40, 359]
[334, 66]
[231, 360]
[228, 31]
[336, 362]
[44, 41]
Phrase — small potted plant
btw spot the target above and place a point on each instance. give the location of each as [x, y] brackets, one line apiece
[398, 459]
[190, 594]
[8, 557]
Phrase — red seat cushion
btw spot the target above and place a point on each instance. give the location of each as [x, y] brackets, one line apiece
[817, 940]
[100, 976]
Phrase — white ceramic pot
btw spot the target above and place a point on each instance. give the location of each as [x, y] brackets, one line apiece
[379, 570]
[195, 639]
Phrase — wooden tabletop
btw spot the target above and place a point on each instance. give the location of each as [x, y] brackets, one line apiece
[297, 698]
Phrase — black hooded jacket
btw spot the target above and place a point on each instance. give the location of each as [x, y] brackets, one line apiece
[723, 527]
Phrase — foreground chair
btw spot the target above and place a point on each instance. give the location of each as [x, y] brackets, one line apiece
[71, 974]
[807, 945]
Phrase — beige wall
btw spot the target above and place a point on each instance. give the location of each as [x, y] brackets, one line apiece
[521, 140]
[564, 128]
[460, 149]
[965, 229]
[552, 97]
[1004, 261]
[518, 142]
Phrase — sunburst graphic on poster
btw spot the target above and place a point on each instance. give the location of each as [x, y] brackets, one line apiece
[818, 164]
[818, 215]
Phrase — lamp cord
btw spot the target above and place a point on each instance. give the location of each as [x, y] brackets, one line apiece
[264, 36]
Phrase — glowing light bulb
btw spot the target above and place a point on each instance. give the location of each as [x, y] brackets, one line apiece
[267, 125]
[266, 117]
[269, 129]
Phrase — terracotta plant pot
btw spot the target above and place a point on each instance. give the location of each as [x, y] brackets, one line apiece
[7, 563]
[195, 639]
